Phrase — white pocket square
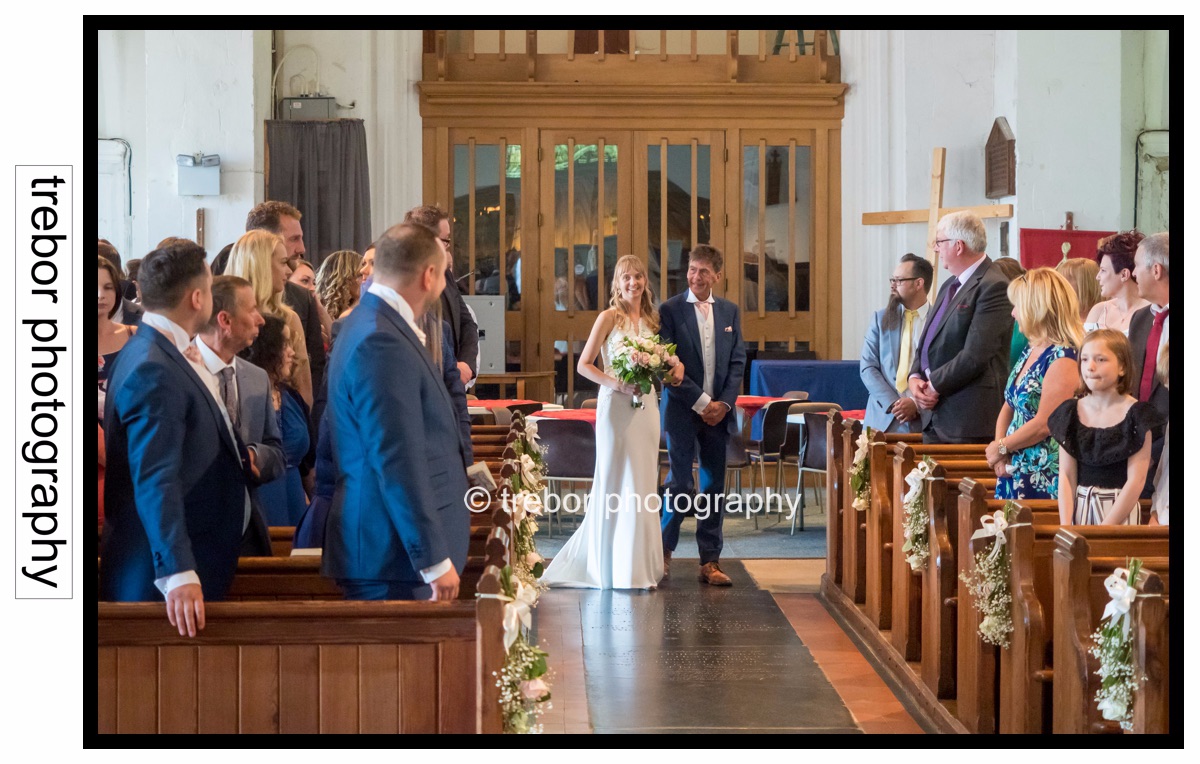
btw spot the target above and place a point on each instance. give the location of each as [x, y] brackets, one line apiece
[729, 328]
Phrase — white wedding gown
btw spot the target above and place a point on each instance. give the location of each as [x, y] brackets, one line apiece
[620, 548]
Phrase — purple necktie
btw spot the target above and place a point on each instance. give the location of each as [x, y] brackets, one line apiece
[951, 289]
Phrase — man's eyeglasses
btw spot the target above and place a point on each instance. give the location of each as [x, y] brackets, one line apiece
[937, 242]
[894, 282]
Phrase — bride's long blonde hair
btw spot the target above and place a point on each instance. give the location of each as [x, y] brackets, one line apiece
[649, 313]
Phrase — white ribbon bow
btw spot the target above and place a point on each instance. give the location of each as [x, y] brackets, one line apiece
[915, 479]
[1123, 595]
[518, 610]
[994, 525]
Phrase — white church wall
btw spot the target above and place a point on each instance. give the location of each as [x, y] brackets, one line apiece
[378, 72]
[1076, 101]
[909, 92]
[178, 92]
[1074, 144]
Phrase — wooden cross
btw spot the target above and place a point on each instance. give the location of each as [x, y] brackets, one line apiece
[934, 213]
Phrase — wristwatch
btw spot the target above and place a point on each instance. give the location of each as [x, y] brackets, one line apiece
[1003, 450]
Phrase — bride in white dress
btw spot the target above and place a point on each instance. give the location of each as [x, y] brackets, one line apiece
[619, 546]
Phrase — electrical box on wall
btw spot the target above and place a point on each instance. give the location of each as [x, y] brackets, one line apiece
[308, 107]
[199, 174]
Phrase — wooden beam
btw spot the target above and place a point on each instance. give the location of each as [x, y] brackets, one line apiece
[921, 216]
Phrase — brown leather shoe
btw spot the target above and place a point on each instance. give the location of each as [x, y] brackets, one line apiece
[666, 564]
[711, 574]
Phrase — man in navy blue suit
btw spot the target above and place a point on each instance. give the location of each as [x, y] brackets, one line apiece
[699, 411]
[398, 527]
[174, 492]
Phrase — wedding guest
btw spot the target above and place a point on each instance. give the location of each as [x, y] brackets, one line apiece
[1011, 268]
[260, 258]
[131, 273]
[1162, 481]
[221, 261]
[1105, 437]
[338, 282]
[304, 275]
[1118, 287]
[110, 336]
[283, 500]
[1082, 274]
[1149, 332]
[888, 348]
[128, 312]
[1023, 455]
[283, 220]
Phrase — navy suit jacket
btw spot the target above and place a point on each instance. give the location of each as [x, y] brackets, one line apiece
[679, 325]
[398, 501]
[174, 489]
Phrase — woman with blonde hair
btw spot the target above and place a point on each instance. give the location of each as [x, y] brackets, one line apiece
[260, 258]
[1081, 273]
[619, 543]
[339, 280]
[1023, 454]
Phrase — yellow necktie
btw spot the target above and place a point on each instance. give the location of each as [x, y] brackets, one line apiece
[906, 348]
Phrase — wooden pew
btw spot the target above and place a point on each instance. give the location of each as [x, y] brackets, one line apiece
[1152, 656]
[872, 546]
[899, 579]
[977, 661]
[1081, 563]
[939, 581]
[836, 490]
[1026, 673]
[854, 527]
[311, 666]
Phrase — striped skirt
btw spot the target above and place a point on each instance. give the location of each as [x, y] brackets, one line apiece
[1093, 504]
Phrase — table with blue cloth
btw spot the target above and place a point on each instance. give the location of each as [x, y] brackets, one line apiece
[825, 381]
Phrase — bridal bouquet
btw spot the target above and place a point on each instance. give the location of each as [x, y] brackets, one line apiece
[642, 361]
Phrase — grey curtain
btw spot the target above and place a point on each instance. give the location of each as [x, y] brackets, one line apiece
[321, 168]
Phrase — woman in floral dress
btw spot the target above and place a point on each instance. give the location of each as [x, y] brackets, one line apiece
[1023, 454]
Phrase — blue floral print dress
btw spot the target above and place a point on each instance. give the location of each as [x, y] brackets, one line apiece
[1035, 468]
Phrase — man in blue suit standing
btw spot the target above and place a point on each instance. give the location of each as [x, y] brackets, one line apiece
[707, 331]
[889, 348]
[398, 527]
[175, 489]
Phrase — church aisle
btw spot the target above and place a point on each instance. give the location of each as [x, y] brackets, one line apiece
[687, 658]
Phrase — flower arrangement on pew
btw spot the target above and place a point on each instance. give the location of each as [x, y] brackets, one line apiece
[523, 499]
[989, 582]
[524, 692]
[860, 471]
[916, 515]
[642, 361]
[1114, 648]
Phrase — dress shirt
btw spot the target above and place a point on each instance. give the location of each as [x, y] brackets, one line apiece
[970, 271]
[213, 364]
[401, 306]
[179, 337]
[915, 339]
[706, 324]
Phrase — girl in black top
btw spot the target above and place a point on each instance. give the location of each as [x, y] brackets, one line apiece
[1104, 437]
